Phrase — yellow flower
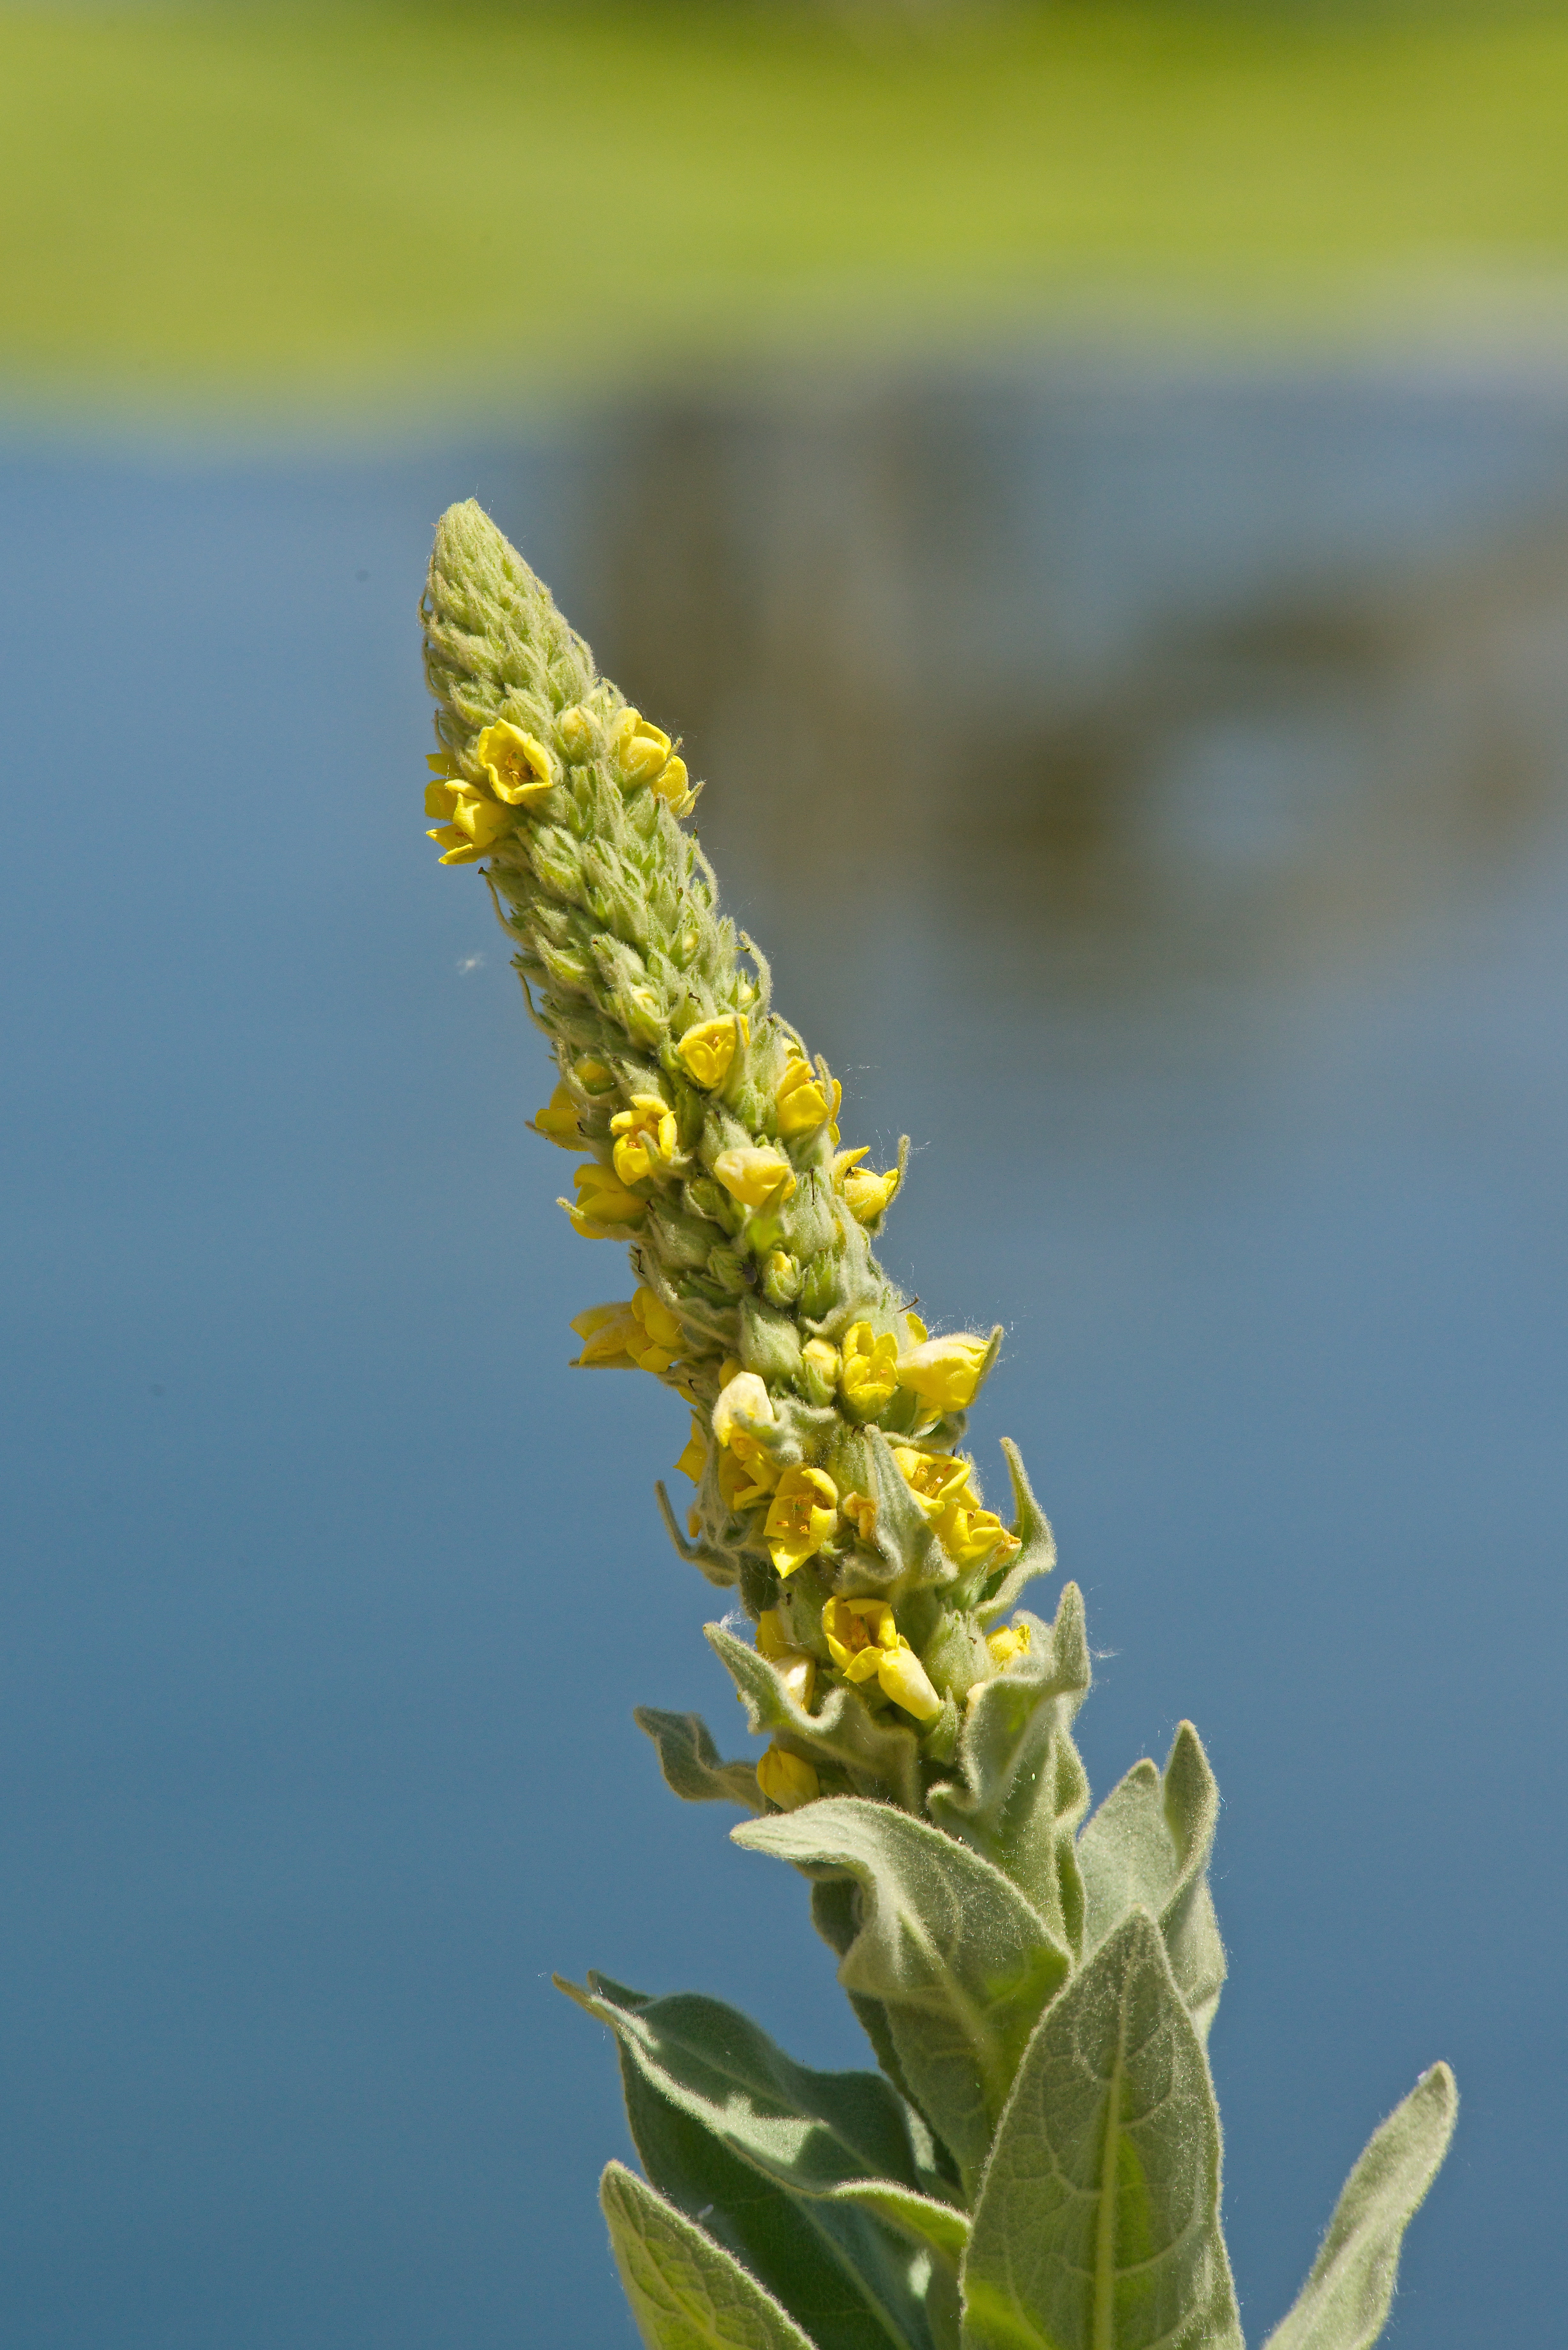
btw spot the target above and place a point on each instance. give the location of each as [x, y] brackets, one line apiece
[866, 1644]
[803, 1104]
[647, 1138]
[935, 1479]
[641, 749]
[694, 1458]
[747, 1473]
[604, 1207]
[1012, 1640]
[595, 1078]
[518, 769]
[645, 754]
[673, 784]
[869, 1377]
[473, 821]
[860, 1634]
[558, 1121]
[744, 1396]
[946, 1371]
[785, 1779]
[866, 1194]
[861, 1511]
[800, 1518]
[752, 1176]
[969, 1534]
[706, 1051]
[642, 1335]
[916, 1329]
[797, 1669]
[820, 1367]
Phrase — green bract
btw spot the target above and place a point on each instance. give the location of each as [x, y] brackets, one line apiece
[1036, 2166]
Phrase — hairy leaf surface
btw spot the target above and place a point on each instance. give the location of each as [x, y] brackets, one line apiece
[686, 2292]
[758, 2147]
[958, 1960]
[1023, 1792]
[1345, 2301]
[1037, 1552]
[690, 1761]
[1099, 2222]
[1148, 1848]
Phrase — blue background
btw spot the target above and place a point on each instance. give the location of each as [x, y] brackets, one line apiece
[328, 1592]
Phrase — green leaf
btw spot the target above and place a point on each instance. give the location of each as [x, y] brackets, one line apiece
[877, 1758]
[1098, 2226]
[689, 1759]
[1345, 2301]
[1023, 1791]
[958, 1960]
[901, 1536]
[686, 2293]
[835, 1914]
[754, 2147]
[941, 2225]
[1148, 1848]
[1038, 1555]
[810, 2130]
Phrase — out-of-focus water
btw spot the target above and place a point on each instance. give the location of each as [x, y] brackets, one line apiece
[1151, 789]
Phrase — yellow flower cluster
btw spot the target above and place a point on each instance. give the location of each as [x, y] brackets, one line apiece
[941, 1484]
[515, 771]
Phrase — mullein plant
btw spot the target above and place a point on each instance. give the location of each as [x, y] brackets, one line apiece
[1034, 2164]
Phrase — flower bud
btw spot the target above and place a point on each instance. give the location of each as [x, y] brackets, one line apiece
[603, 1206]
[946, 1372]
[752, 1175]
[787, 1780]
[904, 1679]
[805, 1100]
[770, 1342]
[558, 1121]
[744, 1396]
[779, 1277]
[818, 1377]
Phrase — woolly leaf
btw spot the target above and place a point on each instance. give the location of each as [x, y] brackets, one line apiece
[941, 2225]
[752, 2146]
[1148, 1848]
[689, 1759]
[1098, 2226]
[877, 1758]
[835, 1914]
[809, 2130]
[1345, 2301]
[1038, 1552]
[686, 2293]
[1023, 1791]
[960, 1961]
